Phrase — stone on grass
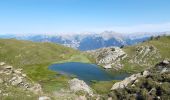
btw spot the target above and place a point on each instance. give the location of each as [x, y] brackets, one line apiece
[77, 85]
[146, 73]
[2, 63]
[166, 62]
[44, 98]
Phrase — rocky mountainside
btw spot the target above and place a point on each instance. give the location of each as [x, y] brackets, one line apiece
[130, 58]
[89, 40]
[151, 84]
[109, 57]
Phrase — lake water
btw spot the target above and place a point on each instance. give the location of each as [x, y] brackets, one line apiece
[86, 72]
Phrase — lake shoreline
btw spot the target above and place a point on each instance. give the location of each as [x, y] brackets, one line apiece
[86, 71]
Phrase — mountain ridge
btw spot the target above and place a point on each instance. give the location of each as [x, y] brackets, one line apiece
[88, 41]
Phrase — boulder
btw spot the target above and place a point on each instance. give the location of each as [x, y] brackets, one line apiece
[163, 66]
[146, 73]
[8, 67]
[125, 82]
[107, 66]
[165, 62]
[110, 98]
[2, 63]
[24, 75]
[118, 85]
[164, 70]
[77, 85]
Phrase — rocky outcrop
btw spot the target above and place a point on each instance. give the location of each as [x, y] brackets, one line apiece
[145, 55]
[109, 57]
[126, 81]
[9, 76]
[151, 84]
[116, 58]
[132, 79]
[162, 67]
[77, 85]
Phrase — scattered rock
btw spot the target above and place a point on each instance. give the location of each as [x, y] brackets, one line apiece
[79, 85]
[144, 55]
[36, 89]
[15, 77]
[18, 71]
[16, 80]
[5, 94]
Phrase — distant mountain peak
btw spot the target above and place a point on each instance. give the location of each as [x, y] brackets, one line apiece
[88, 40]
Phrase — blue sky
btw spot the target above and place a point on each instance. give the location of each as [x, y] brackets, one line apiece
[50, 16]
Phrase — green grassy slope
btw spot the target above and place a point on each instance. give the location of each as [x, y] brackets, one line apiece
[103, 87]
[21, 53]
[162, 45]
[15, 93]
[34, 59]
